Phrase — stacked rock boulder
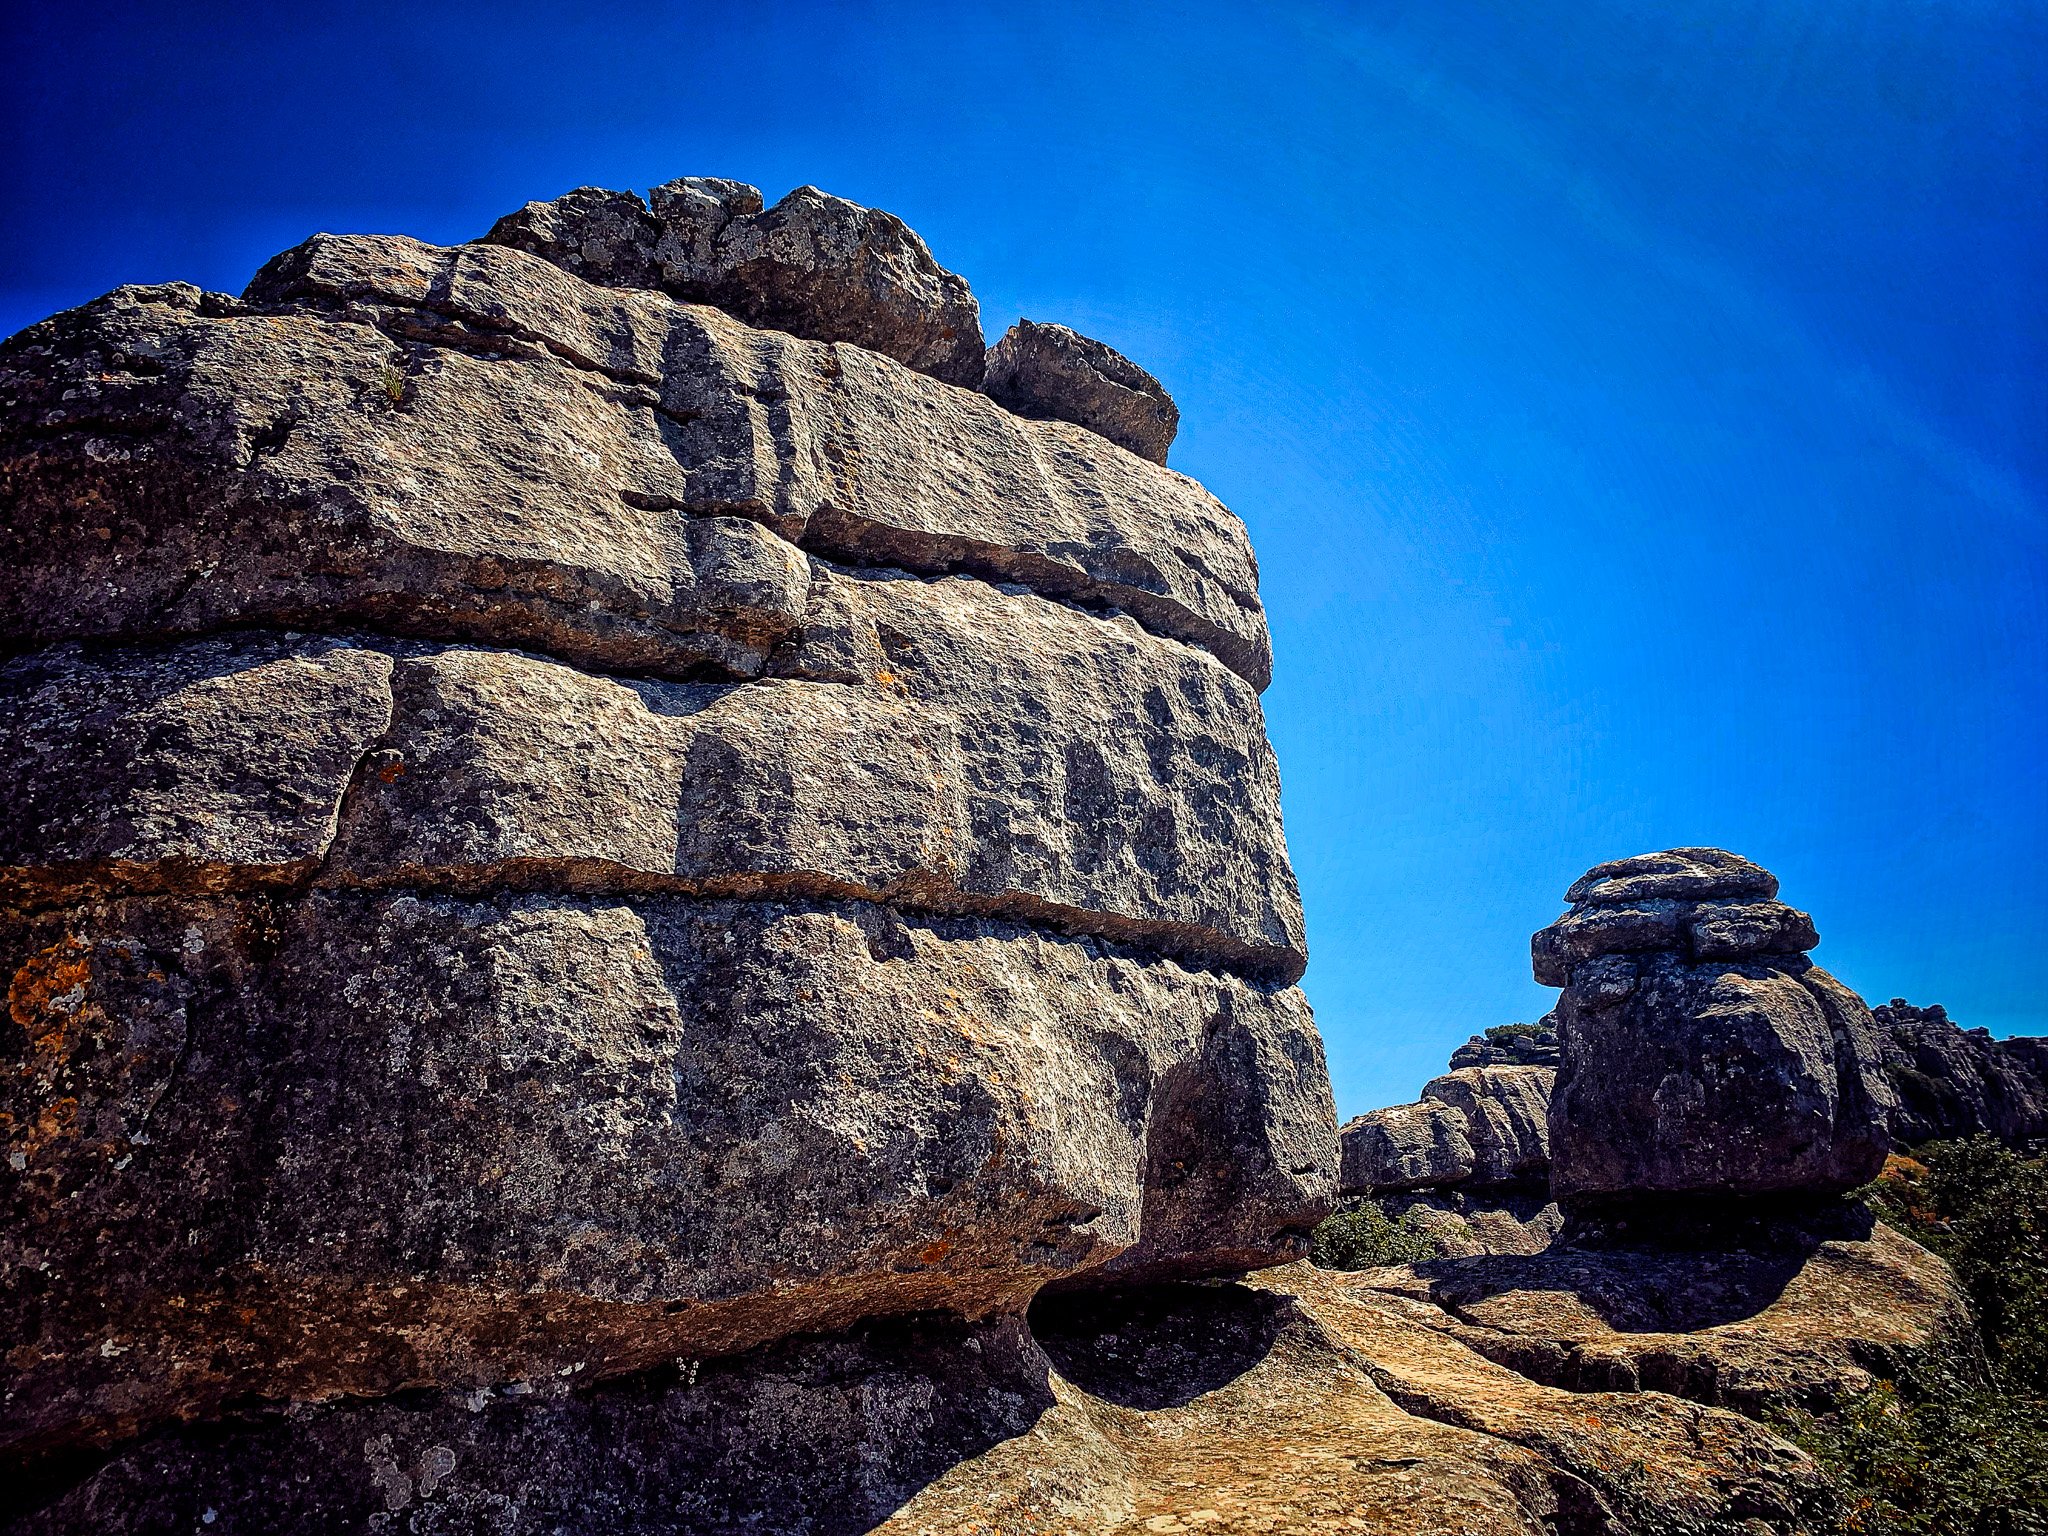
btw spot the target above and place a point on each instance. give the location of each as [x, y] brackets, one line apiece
[1703, 1054]
[579, 803]
[1511, 1045]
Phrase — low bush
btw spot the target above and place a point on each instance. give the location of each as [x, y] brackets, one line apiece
[1361, 1235]
[1958, 1444]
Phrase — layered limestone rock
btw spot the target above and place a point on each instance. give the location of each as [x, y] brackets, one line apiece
[814, 265]
[1496, 1397]
[1481, 1128]
[1955, 1083]
[1052, 372]
[1467, 1164]
[1511, 1045]
[1703, 1053]
[555, 831]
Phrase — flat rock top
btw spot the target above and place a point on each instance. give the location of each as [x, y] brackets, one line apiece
[1686, 874]
[1310, 1401]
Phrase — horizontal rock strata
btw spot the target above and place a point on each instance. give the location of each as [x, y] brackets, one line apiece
[1305, 1403]
[556, 831]
[1474, 1128]
[470, 443]
[1703, 1053]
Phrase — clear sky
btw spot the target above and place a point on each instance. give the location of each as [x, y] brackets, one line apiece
[1640, 410]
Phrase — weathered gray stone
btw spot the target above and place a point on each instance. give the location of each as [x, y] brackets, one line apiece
[1507, 1115]
[836, 449]
[215, 765]
[359, 1143]
[996, 753]
[1689, 874]
[1953, 1082]
[814, 265]
[1736, 930]
[1512, 1045]
[1052, 372]
[1405, 1146]
[809, 1436]
[1687, 1074]
[1142, 769]
[1474, 1128]
[600, 235]
[168, 466]
[398, 1005]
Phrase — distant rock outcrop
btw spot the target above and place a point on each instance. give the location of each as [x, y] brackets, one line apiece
[1511, 1045]
[1703, 1053]
[1051, 372]
[1953, 1082]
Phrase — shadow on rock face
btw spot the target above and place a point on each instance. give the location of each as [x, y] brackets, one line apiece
[1157, 1346]
[810, 1437]
[1674, 1267]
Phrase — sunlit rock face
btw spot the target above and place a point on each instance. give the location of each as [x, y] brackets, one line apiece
[553, 829]
[1703, 1053]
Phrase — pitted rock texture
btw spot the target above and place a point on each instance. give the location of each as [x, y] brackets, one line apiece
[1052, 372]
[470, 443]
[1303, 1403]
[1476, 1128]
[814, 265]
[1954, 1083]
[557, 831]
[1511, 1046]
[1703, 1053]
[1794, 1315]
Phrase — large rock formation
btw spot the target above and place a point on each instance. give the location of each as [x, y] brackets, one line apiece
[627, 916]
[1703, 1054]
[1953, 1082]
[553, 831]
[1511, 1045]
[1481, 1128]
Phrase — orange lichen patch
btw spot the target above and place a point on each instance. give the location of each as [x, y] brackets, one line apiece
[933, 1252]
[47, 1000]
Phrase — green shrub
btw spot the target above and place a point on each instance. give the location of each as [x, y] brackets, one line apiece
[1361, 1235]
[1501, 1034]
[1958, 1444]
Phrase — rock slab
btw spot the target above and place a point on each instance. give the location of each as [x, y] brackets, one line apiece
[1052, 372]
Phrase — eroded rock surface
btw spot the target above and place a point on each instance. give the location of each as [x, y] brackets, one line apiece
[559, 831]
[1955, 1083]
[1477, 1128]
[1304, 1403]
[1052, 372]
[814, 265]
[1703, 1053]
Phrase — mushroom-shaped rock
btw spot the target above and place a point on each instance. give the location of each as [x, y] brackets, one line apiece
[814, 265]
[1703, 1053]
[1054, 374]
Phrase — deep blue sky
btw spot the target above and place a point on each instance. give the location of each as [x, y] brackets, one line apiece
[1641, 411]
